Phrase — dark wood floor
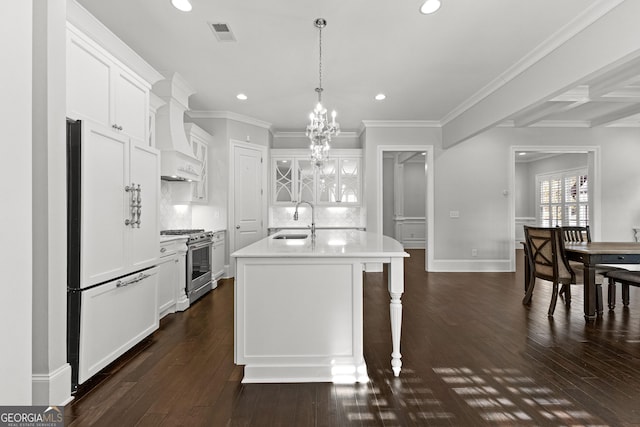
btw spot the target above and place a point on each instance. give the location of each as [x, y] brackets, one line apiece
[473, 355]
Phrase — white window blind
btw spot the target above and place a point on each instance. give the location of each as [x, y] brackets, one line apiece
[563, 198]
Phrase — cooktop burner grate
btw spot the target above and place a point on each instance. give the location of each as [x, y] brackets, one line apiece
[185, 231]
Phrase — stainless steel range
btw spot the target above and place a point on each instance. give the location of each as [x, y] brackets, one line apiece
[198, 271]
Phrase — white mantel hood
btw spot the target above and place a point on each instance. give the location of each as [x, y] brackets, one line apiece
[178, 161]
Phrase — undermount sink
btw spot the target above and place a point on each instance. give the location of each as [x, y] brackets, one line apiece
[291, 236]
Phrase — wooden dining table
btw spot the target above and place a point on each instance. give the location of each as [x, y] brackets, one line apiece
[593, 253]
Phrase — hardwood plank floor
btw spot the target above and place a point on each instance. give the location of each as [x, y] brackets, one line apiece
[473, 355]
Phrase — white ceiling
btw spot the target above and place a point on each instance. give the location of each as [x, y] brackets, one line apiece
[427, 65]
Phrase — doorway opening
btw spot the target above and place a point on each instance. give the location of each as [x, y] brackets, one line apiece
[540, 164]
[405, 196]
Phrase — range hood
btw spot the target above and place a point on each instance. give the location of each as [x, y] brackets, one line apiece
[178, 162]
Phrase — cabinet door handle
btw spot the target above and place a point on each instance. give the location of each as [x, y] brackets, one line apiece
[237, 227]
[163, 250]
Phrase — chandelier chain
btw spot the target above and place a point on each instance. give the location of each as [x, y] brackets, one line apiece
[320, 67]
[320, 129]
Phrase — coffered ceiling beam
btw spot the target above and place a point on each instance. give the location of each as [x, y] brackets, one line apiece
[624, 77]
[603, 39]
[628, 94]
[616, 115]
[546, 110]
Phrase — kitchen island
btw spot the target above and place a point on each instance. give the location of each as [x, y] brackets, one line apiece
[298, 305]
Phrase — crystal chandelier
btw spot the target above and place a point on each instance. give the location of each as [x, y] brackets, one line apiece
[319, 129]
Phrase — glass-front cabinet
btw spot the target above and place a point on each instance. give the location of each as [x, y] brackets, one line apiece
[305, 173]
[282, 177]
[337, 182]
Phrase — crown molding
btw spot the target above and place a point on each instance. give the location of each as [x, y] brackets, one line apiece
[229, 115]
[582, 21]
[401, 124]
[79, 19]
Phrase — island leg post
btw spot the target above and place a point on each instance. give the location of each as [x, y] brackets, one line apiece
[396, 288]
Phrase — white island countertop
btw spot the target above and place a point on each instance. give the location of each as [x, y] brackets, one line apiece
[327, 243]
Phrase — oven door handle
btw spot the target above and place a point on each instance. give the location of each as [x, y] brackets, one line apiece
[200, 245]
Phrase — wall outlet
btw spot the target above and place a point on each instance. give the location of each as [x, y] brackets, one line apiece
[454, 214]
[474, 252]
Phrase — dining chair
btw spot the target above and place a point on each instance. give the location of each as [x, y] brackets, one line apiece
[626, 278]
[527, 266]
[547, 260]
[579, 234]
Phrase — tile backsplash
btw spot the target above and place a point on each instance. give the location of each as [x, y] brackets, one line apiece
[326, 216]
[172, 215]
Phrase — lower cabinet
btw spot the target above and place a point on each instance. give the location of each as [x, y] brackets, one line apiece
[171, 277]
[114, 317]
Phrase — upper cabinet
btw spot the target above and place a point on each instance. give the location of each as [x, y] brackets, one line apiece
[102, 89]
[294, 178]
[339, 181]
[199, 140]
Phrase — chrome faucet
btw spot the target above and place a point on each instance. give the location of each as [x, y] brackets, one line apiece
[313, 216]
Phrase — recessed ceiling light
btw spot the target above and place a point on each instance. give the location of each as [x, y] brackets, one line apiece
[522, 153]
[380, 96]
[183, 5]
[242, 97]
[430, 6]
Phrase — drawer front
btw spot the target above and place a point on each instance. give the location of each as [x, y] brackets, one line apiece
[167, 250]
[114, 317]
[619, 259]
[171, 247]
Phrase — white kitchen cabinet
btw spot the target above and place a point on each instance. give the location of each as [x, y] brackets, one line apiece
[102, 89]
[339, 181]
[295, 178]
[105, 333]
[119, 205]
[218, 255]
[199, 140]
[171, 275]
[282, 180]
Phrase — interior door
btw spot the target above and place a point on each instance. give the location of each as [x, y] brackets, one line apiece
[248, 196]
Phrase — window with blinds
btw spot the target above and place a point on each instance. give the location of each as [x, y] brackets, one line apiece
[563, 198]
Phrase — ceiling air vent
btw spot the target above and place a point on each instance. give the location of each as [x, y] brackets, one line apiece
[222, 32]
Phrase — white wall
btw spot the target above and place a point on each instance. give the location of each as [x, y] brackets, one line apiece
[524, 191]
[415, 189]
[51, 372]
[470, 179]
[16, 213]
[471, 176]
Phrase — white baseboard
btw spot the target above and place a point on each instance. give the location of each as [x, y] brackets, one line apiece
[52, 389]
[469, 265]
